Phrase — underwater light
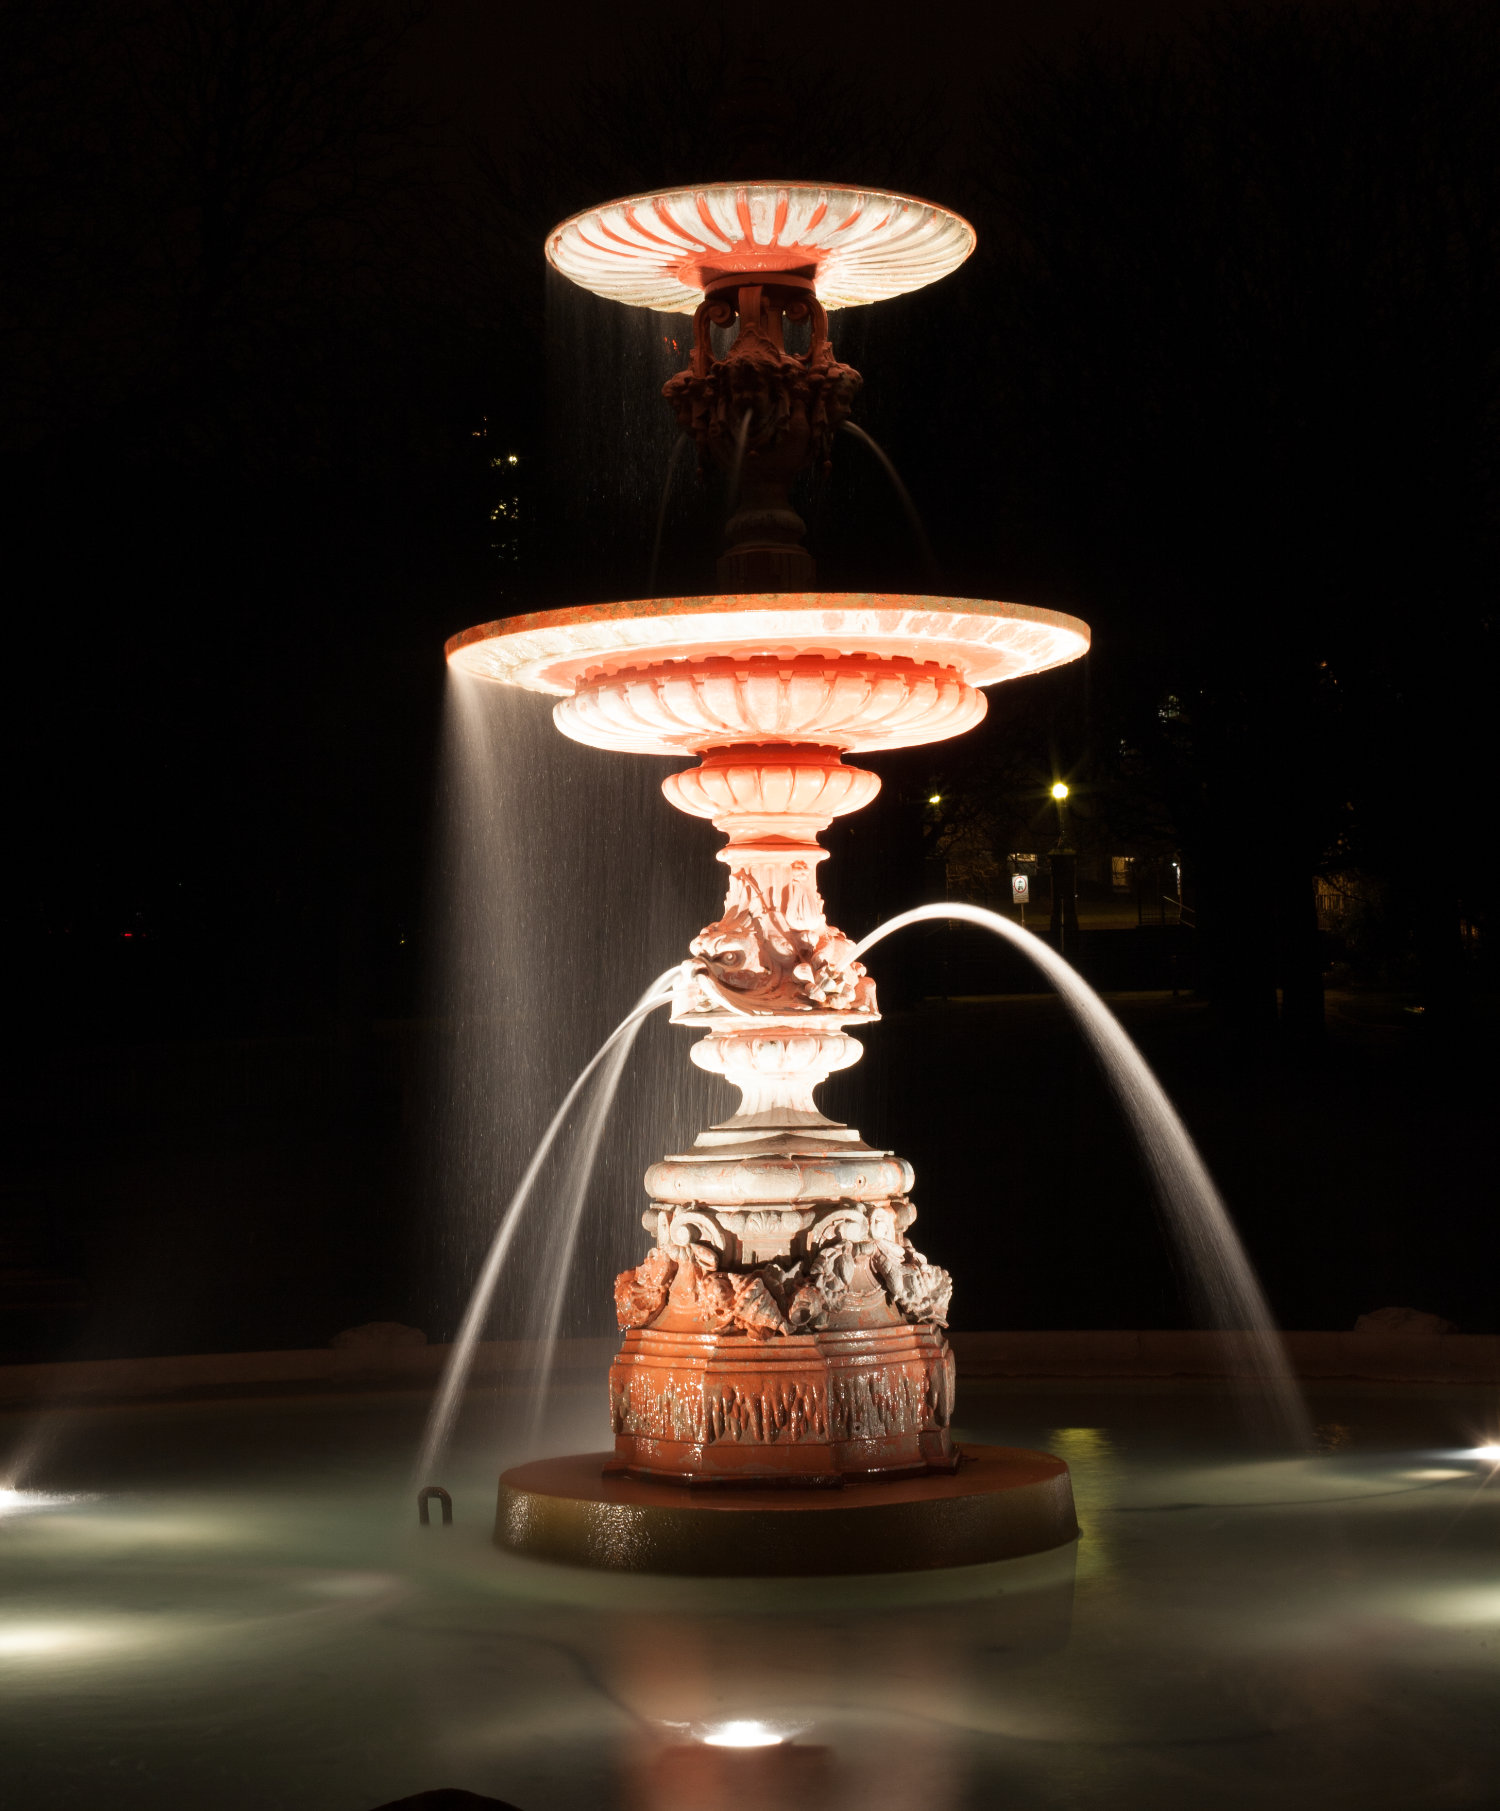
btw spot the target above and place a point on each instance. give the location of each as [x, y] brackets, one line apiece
[36, 1640]
[27, 1502]
[21, 1641]
[742, 1734]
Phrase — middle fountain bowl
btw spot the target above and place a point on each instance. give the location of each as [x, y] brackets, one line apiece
[852, 671]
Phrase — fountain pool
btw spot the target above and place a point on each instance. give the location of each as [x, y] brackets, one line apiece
[229, 1604]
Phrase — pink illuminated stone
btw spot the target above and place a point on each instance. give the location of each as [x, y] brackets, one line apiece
[781, 1271]
[789, 792]
[662, 250]
[857, 671]
[782, 1327]
[849, 702]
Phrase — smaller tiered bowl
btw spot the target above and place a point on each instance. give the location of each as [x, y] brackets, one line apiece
[665, 249]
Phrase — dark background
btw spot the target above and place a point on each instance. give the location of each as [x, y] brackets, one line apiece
[1221, 379]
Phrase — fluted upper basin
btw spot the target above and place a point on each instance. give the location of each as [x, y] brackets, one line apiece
[856, 671]
[662, 250]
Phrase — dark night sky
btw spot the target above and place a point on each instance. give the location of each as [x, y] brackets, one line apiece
[198, 531]
[1224, 378]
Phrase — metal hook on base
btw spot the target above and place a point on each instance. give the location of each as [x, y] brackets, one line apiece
[425, 1496]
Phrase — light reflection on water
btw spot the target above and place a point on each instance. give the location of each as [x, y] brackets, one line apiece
[1095, 1466]
[1244, 1631]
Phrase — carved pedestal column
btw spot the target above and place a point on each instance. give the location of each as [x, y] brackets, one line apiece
[782, 1328]
[765, 415]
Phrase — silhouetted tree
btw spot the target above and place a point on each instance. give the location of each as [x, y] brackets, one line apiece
[1245, 345]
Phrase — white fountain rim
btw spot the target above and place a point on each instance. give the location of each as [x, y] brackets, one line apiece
[858, 253]
[985, 641]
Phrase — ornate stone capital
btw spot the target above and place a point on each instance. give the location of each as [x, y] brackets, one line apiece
[785, 791]
[763, 414]
[773, 951]
[772, 411]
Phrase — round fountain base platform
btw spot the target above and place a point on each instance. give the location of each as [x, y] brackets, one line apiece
[1002, 1502]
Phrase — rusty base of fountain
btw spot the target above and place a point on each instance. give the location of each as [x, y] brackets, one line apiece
[807, 1409]
[1001, 1503]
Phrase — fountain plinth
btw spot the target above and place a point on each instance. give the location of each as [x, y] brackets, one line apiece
[782, 1329]
[764, 415]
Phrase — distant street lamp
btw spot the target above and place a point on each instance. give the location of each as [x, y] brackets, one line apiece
[1064, 865]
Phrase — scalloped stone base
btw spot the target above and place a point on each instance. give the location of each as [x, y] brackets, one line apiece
[1001, 1502]
[810, 1409]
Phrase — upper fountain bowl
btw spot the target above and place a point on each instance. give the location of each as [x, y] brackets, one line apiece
[853, 671]
[664, 249]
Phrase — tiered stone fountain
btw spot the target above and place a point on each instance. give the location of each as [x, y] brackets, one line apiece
[782, 1330]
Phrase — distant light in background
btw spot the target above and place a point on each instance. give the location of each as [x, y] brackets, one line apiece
[1059, 790]
[743, 1734]
[935, 798]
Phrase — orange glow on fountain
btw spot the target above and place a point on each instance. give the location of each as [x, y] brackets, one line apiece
[782, 1328]
[663, 250]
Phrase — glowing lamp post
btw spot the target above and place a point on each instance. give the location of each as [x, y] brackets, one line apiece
[782, 1328]
[1063, 860]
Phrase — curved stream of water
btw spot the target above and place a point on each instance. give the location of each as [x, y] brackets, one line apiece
[1221, 1278]
[615, 1048]
[903, 496]
[1220, 1275]
[575, 1194]
[661, 514]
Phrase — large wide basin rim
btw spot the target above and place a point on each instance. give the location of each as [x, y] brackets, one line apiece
[551, 647]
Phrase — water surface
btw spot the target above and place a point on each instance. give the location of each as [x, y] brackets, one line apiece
[237, 1609]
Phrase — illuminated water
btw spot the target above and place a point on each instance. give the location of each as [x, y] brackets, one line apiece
[564, 883]
[509, 841]
[678, 447]
[903, 496]
[1221, 1279]
[237, 1610]
[565, 1212]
